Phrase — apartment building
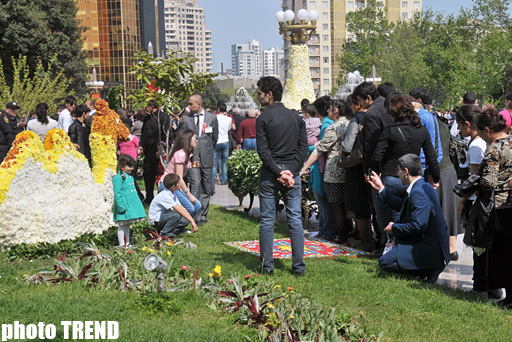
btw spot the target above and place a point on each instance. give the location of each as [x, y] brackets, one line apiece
[331, 32]
[247, 59]
[185, 29]
[272, 59]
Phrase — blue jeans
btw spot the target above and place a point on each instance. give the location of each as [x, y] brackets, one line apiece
[222, 152]
[171, 224]
[184, 201]
[269, 189]
[249, 144]
[384, 212]
[326, 220]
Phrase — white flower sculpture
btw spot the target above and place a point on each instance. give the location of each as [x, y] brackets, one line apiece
[298, 83]
[48, 193]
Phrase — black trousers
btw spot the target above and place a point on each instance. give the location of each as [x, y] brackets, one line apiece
[150, 166]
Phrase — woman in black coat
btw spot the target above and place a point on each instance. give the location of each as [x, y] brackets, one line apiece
[405, 135]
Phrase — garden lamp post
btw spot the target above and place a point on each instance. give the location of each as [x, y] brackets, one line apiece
[298, 81]
[153, 263]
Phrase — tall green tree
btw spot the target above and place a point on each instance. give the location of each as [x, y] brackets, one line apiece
[40, 30]
[368, 29]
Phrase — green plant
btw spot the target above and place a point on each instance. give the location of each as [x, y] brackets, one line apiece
[160, 302]
[243, 172]
[174, 77]
[28, 89]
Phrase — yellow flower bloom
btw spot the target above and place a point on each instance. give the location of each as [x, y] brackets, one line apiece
[151, 251]
[169, 243]
[210, 275]
[277, 287]
[292, 316]
[144, 248]
[168, 253]
[270, 306]
[292, 292]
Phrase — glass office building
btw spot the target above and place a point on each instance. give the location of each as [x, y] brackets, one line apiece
[111, 39]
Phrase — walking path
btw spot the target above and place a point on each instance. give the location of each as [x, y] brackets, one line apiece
[458, 274]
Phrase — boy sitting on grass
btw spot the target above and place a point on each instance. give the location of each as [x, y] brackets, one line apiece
[166, 213]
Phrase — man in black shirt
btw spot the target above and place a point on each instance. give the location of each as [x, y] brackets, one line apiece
[282, 145]
[156, 128]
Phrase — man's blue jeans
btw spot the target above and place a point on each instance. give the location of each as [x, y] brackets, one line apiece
[249, 144]
[222, 153]
[269, 189]
[184, 201]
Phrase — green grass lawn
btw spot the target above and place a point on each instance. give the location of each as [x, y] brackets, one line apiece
[404, 310]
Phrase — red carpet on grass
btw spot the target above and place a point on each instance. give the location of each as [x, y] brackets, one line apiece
[313, 248]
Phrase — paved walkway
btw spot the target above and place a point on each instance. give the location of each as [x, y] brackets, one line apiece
[458, 274]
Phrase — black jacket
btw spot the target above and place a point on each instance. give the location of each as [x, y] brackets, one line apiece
[5, 130]
[79, 134]
[391, 146]
[149, 135]
[375, 120]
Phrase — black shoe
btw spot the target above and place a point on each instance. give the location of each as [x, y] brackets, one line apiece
[201, 223]
[434, 275]
[454, 256]
[495, 294]
[268, 273]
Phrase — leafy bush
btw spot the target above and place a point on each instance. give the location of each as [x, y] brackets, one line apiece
[243, 172]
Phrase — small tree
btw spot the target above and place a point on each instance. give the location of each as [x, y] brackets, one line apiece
[30, 89]
[174, 78]
[166, 81]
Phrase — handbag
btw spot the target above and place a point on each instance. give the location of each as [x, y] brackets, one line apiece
[355, 157]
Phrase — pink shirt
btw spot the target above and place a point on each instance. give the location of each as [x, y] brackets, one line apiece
[179, 157]
[507, 116]
[129, 147]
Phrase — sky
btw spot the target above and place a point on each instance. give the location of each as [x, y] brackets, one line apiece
[238, 21]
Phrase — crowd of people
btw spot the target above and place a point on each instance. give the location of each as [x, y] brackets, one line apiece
[391, 165]
[381, 165]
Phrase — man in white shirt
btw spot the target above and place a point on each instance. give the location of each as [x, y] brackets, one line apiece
[65, 119]
[226, 124]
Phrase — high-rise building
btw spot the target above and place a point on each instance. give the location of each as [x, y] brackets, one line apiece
[152, 26]
[326, 45]
[272, 59]
[247, 59]
[185, 29]
[112, 38]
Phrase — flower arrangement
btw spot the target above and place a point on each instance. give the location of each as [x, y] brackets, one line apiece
[298, 83]
[48, 194]
[106, 129]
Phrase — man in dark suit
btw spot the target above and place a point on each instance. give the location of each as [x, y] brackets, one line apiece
[207, 130]
[421, 235]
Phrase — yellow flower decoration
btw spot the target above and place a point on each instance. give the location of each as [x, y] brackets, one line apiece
[103, 151]
[298, 83]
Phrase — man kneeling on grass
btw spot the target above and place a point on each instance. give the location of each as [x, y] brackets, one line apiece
[166, 213]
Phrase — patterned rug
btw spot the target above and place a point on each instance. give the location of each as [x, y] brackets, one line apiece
[313, 248]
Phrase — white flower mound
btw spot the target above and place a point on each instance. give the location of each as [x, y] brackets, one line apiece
[298, 83]
[45, 207]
